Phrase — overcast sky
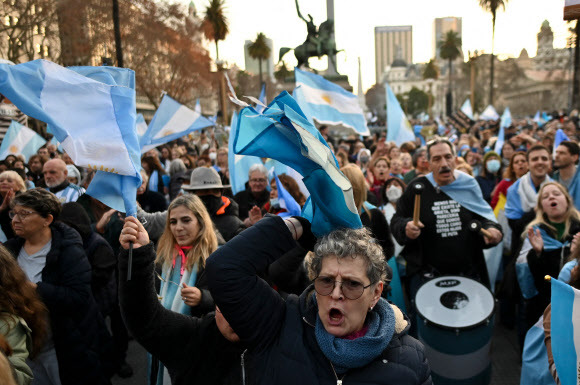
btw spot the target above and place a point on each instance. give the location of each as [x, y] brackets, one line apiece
[516, 28]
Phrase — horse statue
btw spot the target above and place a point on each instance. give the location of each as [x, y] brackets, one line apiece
[319, 42]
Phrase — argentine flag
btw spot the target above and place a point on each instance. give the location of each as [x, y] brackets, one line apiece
[506, 121]
[399, 129]
[489, 113]
[559, 138]
[286, 200]
[140, 125]
[284, 133]
[328, 103]
[565, 331]
[172, 120]
[20, 139]
[239, 165]
[92, 120]
[466, 109]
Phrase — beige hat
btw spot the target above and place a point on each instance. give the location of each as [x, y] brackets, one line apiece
[204, 178]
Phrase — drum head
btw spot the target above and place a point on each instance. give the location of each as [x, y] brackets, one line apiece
[454, 302]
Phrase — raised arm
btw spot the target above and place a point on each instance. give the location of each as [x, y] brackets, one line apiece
[253, 309]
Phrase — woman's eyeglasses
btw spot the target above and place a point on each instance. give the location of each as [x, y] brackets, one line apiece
[22, 214]
[351, 289]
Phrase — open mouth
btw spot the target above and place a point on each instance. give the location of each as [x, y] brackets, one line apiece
[553, 204]
[335, 316]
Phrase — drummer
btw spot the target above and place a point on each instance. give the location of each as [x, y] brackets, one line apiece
[441, 243]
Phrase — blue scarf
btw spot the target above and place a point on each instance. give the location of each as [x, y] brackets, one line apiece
[347, 354]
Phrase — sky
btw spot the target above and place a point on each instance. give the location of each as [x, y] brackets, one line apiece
[516, 28]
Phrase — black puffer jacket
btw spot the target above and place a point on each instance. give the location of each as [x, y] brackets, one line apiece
[81, 339]
[279, 332]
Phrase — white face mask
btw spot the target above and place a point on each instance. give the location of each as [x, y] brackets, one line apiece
[213, 155]
[394, 193]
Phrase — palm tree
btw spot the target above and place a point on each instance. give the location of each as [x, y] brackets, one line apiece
[491, 6]
[430, 73]
[450, 49]
[260, 50]
[215, 23]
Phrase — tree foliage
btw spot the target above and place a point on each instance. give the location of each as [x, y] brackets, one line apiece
[431, 70]
[259, 50]
[215, 24]
[414, 102]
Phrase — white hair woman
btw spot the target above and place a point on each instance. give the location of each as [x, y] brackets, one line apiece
[338, 328]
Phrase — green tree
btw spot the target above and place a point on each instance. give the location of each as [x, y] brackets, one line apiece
[450, 49]
[431, 71]
[259, 50]
[215, 24]
[282, 72]
[492, 6]
[414, 102]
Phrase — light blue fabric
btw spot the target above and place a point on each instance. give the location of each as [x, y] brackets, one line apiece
[513, 206]
[262, 99]
[348, 354]
[239, 165]
[399, 129]
[565, 327]
[396, 294]
[466, 109]
[549, 242]
[565, 273]
[328, 102]
[171, 121]
[535, 366]
[526, 280]
[506, 120]
[559, 138]
[153, 184]
[20, 139]
[91, 119]
[574, 188]
[283, 133]
[286, 200]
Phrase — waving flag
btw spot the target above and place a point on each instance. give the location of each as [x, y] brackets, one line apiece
[197, 106]
[20, 139]
[399, 129]
[559, 138]
[172, 120]
[535, 365]
[140, 125]
[328, 103]
[489, 113]
[506, 121]
[284, 133]
[286, 200]
[565, 328]
[92, 120]
[466, 109]
[262, 99]
[239, 165]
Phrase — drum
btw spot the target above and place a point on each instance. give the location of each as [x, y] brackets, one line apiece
[455, 323]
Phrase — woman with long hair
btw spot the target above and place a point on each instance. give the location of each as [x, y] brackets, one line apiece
[23, 316]
[11, 183]
[546, 247]
[517, 167]
[187, 241]
[379, 173]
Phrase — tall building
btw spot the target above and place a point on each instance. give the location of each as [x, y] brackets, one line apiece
[253, 65]
[392, 42]
[442, 25]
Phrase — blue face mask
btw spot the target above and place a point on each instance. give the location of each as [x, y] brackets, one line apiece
[493, 166]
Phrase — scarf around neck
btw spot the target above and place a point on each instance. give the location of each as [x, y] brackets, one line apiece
[346, 354]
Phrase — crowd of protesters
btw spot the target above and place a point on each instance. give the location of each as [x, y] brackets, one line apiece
[226, 289]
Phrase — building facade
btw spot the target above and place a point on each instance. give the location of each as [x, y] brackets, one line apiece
[392, 42]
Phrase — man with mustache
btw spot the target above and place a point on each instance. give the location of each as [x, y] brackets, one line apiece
[441, 243]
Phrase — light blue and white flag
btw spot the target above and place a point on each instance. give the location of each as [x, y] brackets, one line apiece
[489, 113]
[328, 103]
[262, 98]
[559, 138]
[565, 328]
[535, 365]
[537, 118]
[506, 121]
[197, 106]
[140, 125]
[286, 200]
[57, 144]
[238, 165]
[280, 168]
[399, 129]
[20, 139]
[171, 121]
[284, 133]
[466, 109]
[92, 120]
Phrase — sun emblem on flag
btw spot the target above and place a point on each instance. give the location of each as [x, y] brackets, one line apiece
[168, 132]
[326, 98]
[13, 149]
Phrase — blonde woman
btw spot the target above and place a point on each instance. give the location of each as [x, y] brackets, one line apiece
[187, 241]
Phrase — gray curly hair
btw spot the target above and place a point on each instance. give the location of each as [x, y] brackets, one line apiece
[351, 243]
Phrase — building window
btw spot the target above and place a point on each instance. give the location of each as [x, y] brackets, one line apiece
[38, 48]
[43, 30]
[46, 51]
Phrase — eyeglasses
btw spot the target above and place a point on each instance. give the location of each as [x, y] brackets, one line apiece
[351, 289]
[22, 214]
[258, 180]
